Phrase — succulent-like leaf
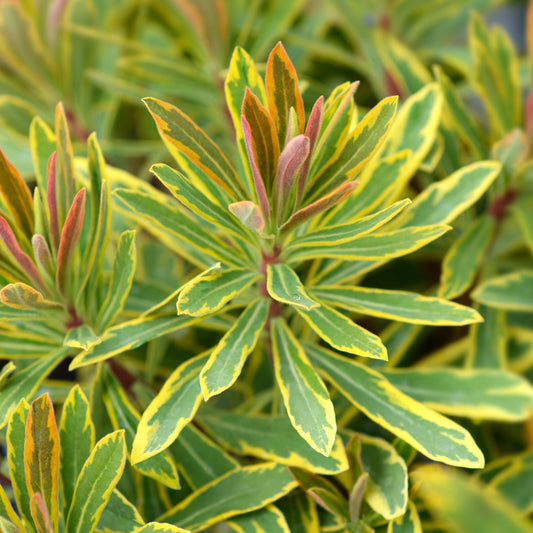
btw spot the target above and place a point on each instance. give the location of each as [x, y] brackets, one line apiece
[239, 491]
[271, 438]
[227, 359]
[304, 394]
[284, 285]
[41, 457]
[432, 434]
[100, 473]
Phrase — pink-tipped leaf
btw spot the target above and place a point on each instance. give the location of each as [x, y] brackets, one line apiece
[249, 214]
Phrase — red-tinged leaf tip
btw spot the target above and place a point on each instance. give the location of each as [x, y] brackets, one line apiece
[290, 161]
[22, 259]
[259, 185]
[42, 253]
[40, 515]
[69, 238]
[249, 214]
[319, 206]
[51, 196]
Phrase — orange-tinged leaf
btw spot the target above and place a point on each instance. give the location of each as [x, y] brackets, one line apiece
[40, 515]
[41, 455]
[249, 215]
[181, 133]
[264, 138]
[283, 92]
[16, 194]
[22, 296]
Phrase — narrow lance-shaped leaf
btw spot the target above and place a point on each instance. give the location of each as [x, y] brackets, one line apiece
[178, 130]
[121, 280]
[282, 91]
[42, 254]
[249, 215]
[100, 473]
[304, 394]
[284, 285]
[290, 162]
[317, 207]
[239, 491]
[65, 165]
[17, 195]
[257, 178]
[513, 292]
[398, 305]
[269, 518]
[51, 196]
[76, 432]
[41, 455]
[209, 291]
[262, 138]
[39, 514]
[436, 436]
[9, 519]
[69, 238]
[227, 359]
[22, 259]
[341, 333]
[81, 337]
[170, 411]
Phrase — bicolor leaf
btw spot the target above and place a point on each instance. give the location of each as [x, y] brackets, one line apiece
[157, 527]
[488, 340]
[342, 333]
[482, 394]
[227, 359]
[284, 285]
[432, 434]
[512, 292]
[22, 296]
[300, 512]
[239, 491]
[212, 289]
[41, 456]
[42, 143]
[77, 437]
[81, 337]
[271, 438]
[249, 215]
[269, 518]
[119, 515]
[397, 305]
[171, 410]
[11, 520]
[409, 522]
[99, 476]
[304, 394]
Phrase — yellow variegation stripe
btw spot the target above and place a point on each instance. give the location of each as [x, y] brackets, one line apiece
[6, 371]
[434, 435]
[512, 292]
[398, 305]
[267, 520]
[41, 455]
[226, 361]
[81, 337]
[300, 511]
[157, 527]
[7, 511]
[341, 333]
[407, 523]
[284, 285]
[242, 490]
[42, 144]
[210, 290]
[488, 340]
[172, 409]
[304, 394]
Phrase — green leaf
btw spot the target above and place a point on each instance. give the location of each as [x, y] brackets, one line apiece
[65, 165]
[284, 285]
[193, 198]
[270, 519]
[76, 437]
[271, 438]
[383, 246]
[430, 433]
[482, 394]
[39, 513]
[81, 337]
[304, 394]
[488, 340]
[121, 280]
[300, 512]
[398, 305]
[452, 497]
[212, 289]
[444, 200]
[119, 516]
[41, 456]
[227, 359]
[156, 527]
[170, 411]
[341, 333]
[408, 523]
[123, 415]
[22, 296]
[386, 490]
[181, 134]
[6, 371]
[465, 257]
[16, 434]
[239, 491]
[25, 382]
[358, 148]
[129, 335]
[8, 527]
[512, 292]
[43, 143]
[96, 482]
[200, 459]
